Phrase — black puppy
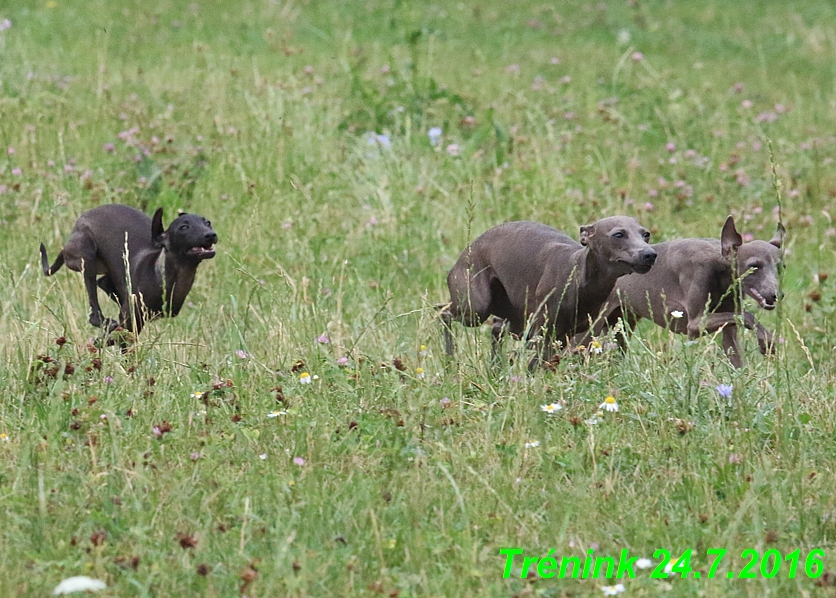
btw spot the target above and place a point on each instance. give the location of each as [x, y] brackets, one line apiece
[162, 263]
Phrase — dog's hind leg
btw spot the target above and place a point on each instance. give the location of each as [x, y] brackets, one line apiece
[105, 283]
[446, 323]
[499, 330]
[470, 302]
[89, 270]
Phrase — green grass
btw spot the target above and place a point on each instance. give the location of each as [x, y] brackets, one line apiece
[324, 233]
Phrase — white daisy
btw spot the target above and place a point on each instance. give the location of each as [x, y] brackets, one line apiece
[676, 314]
[304, 378]
[613, 590]
[79, 583]
[644, 563]
[551, 408]
[532, 444]
[273, 414]
[609, 404]
[596, 347]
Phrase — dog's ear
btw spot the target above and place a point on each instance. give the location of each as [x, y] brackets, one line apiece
[730, 239]
[157, 230]
[778, 238]
[587, 232]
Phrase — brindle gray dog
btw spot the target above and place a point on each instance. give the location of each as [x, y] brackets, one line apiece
[536, 278]
[691, 288]
[162, 263]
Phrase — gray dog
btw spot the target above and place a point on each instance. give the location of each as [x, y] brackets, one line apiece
[535, 278]
[162, 263]
[691, 288]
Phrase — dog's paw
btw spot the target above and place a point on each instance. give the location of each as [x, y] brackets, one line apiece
[766, 341]
[109, 325]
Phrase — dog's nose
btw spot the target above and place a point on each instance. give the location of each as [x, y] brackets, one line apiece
[211, 238]
[648, 256]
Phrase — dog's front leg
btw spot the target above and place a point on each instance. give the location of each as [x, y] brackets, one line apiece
[766, 342]
[730, 345]
[714, 322]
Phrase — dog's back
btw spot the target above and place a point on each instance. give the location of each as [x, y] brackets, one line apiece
[683, 267]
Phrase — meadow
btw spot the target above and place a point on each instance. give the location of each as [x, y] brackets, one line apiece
[201, 463]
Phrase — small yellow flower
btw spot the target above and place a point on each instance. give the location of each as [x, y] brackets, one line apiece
[4, 437]
[671, 563]
[304, 378]
[422, 351]
[609, 404]
[419, 372]
[198, 394]
[596, 347]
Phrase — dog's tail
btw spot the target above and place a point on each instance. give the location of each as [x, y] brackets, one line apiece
[50, 270]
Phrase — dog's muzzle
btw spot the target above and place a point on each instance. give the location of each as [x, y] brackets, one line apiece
[647, 257]
[765, 301]
[205, 251]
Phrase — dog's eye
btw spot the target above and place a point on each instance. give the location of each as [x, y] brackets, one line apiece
[184, 227]
[209, 224]
[646, 236]
[618, 235]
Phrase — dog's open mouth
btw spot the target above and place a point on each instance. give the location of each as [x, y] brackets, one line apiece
[204, 252]
[762, 302]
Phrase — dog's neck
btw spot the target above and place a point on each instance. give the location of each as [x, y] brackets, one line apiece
[176, 279]
[593, 274]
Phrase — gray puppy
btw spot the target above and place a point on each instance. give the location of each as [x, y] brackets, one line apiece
[690, 289]
[162, 262]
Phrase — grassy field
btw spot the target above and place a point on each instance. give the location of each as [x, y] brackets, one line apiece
[199, 464]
